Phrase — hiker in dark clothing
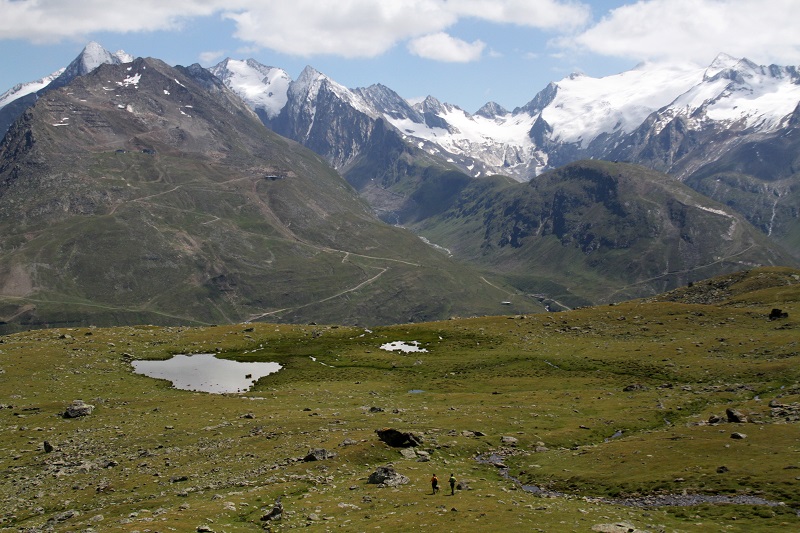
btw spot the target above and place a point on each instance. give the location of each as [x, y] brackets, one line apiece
[435, 484]
[452, 484]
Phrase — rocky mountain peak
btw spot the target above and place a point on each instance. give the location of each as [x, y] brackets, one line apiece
[491, 110]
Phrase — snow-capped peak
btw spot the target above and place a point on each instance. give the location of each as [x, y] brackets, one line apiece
[585, 107]
[311, 81]
[94, 55]
[260, 86]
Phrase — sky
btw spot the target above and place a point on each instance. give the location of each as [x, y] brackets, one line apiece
[463, 52]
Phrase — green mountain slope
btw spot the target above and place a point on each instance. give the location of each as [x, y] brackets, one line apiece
[597, 231]
[145, 193]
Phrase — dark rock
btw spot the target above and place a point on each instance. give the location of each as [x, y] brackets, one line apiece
[47, 447]
[376, 409]
[735, 416]
[276, 513]
[177, 479]
[319, 454]
[509, 441]
[386, 475]
[634, 387]
[722, 469]
[714, 420]
[77, 409]
[399, 439]
[775, 314]
[738, 436]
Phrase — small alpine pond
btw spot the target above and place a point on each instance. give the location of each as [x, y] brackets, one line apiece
[205, 372]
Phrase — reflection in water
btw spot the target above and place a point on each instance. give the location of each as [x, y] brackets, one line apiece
[205, 372]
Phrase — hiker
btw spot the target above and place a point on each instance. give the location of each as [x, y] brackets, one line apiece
[452, 484]
[435, 484]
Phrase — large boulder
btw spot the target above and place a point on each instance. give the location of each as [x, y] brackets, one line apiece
[387, 476]
[319, 454]
[399, 439]
[77, 409]
[735, 416]
[276, 513]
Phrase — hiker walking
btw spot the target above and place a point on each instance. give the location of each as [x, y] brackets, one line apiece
[452, 484]
[435, 484]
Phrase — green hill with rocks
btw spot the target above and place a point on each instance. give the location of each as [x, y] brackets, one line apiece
[677, 413]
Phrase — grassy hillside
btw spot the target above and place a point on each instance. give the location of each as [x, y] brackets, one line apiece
[168, 202]
[608, 405]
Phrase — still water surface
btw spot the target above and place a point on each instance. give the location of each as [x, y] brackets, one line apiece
[206, 373]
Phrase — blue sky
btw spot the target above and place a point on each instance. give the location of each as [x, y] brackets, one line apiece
[465, 52]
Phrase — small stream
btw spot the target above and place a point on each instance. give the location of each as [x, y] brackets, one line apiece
[659, 500]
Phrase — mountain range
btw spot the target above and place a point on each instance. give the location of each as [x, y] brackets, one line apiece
[132, 191]
[729, 130]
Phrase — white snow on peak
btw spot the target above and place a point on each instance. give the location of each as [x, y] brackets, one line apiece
[260, 86]
[584, 107]
[94, 55]
[740, 91]
[123, 56]
[721, 62]
[24, 89]
[311, 81]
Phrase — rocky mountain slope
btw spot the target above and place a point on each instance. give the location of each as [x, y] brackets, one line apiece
[141, 192]
[678, 119]
[591, 231]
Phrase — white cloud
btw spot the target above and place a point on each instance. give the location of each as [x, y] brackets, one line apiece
[47, 21]
[765, 31]
[211, 56]
[348, 28]
[545, 14]
[443, 47]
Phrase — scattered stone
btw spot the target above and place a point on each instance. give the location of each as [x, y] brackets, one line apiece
[509, 441]
[738, 436]
[619, 527]
[318, 454]
[735, 416]
[387, 476]
[348, 442]
[714, 420]
[47, 447]
[722, 469]
[204, 529]
[276, 513]
[399, 439]
[178, 479]
[635, 387]
[77, 409]
[248, 415]
[408, 453]
[462, 485]
[376, 409]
